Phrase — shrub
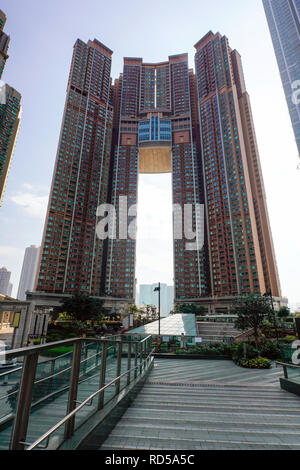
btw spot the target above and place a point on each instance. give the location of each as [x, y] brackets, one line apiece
[238, 352]
[290, 338]
[270, 350]
[256, 363]
[207, 350]
[37, 341]
[54, 352]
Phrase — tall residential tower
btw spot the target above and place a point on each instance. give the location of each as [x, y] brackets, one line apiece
[10, 113]
[284, 23]
[159, 118]
[28, 273]
[71, 254]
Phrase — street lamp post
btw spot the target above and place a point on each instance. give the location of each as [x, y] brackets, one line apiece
[157, 289]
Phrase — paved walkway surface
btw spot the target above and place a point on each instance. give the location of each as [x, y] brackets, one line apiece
[197, 404]
[217, 371]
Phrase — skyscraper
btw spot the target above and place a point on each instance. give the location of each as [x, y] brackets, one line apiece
[10, 113]
[4, 43]
[4, 281]
[240, 242]
[9, 290]
[28, 273]
[71, 254]
[159, 118]
[284, 23]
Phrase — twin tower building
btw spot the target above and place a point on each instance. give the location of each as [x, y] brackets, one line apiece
[159, 118]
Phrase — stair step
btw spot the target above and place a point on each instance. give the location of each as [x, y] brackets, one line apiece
[118, 442]
[204, 414]
[202, 434]
[203, 398]
[211, 406]
[235, 425]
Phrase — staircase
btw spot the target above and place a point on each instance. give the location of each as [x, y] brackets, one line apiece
[214, 331]
[220, 407]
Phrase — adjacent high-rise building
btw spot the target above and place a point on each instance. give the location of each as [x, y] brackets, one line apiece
[71, 254]
[158, 118]
[10, 113]
[29, 271]
[4, 43]
[9, 290]
[4, 281]
[284, 23]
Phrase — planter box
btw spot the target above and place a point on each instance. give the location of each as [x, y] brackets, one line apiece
[290, 386]
[189, 356]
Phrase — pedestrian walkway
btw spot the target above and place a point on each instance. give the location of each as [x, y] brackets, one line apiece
[207, 404]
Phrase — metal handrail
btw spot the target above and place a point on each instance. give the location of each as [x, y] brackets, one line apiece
[43, 379]
[285, 367]
[47, 434]
[44, 347]
[44, 362]
[296, 366]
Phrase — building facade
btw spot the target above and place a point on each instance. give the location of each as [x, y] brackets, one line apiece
[284, 23]
[71, 254]
[4, 43]
[29, 270]
[147, 296]
[10, 113]
[4, 281]
[159, 118]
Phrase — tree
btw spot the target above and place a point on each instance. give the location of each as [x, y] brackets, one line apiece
[190, 308]
[252, 310]
[81, 307]
[283, 312]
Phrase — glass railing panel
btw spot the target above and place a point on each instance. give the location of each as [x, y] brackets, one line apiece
[9, 387]
[50, 395]
[294, 373]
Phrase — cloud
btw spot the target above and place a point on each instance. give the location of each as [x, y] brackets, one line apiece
[9, 252]
[32, 200]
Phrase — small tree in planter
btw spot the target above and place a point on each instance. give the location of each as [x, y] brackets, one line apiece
[252, 310]
[283, 313]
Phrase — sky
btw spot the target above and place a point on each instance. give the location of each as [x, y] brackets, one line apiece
[42, 37]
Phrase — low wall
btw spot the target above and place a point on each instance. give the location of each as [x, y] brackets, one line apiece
[290, 386]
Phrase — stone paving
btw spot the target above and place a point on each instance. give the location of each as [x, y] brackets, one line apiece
[197, 404]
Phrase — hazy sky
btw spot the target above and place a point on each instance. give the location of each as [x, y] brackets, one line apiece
[42, 37]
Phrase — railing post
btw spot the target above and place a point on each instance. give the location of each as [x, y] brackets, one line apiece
[52, 371]
[85, 357]
[102, 374]
[119, 364]
[128, 363]
[285, 372]
[24, 402]
[145, 353]
[73, 388]
[98, 354]
[141, 357]
[135, 359]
